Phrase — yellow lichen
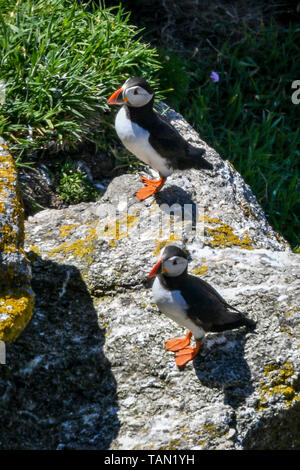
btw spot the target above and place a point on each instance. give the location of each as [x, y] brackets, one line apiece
[247, 210]
[65, 230]
[162, 243]
[16, 306]
[279, 381]
[8, 239]
[35, 249]
[222, 234]
[291, 311]
[116, 229]
[2, 205]
[84, 247]
[288, 331]
[213, 430]
[201, 442]
[225, 237]
[200, 271]
[13, 233]
[79, 248]
[173, 445]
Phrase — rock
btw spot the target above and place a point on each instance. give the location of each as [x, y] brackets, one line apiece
[94, 355]
[100, 164]
[38, 191]
[16, 296]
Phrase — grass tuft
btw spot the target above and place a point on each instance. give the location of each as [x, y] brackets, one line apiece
[60, 60]
[74, 185]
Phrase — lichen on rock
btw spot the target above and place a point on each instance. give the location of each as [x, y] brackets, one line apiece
[16, 309]
[281, 381]
[16, 297]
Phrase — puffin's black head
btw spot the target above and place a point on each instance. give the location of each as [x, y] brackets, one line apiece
[135, 92]
[173, 250]
[173, 262]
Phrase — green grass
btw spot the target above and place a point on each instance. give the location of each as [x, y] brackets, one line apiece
[73, 185]
[60, 60]
[248, 116]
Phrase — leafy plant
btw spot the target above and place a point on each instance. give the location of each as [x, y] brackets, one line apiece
[74, 185]
[60, 60]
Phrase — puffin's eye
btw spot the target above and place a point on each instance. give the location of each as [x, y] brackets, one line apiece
[135, 92]
[175, 261]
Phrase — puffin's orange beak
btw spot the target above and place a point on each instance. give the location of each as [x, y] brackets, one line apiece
[115, 98]
[156, 270]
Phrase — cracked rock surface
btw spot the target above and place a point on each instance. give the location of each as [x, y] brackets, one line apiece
[91, 371]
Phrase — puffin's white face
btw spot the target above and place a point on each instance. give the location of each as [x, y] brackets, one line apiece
[174, 266]
[136, 96]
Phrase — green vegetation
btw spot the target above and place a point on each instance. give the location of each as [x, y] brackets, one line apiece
[248, 116]
[60, 60]
[74, 185]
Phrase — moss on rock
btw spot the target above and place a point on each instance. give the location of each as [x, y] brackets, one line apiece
[16, 297]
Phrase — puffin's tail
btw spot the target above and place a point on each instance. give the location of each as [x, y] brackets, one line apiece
[195, 160]
[236, 319]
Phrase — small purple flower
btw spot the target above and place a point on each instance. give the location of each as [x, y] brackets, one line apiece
[214, 76]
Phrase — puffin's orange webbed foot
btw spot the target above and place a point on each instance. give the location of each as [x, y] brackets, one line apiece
[151, 187]
[145, 192]
[179, 343]
[187, 354]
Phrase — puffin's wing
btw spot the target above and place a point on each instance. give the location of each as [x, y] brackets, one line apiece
[167, 141]
[208, 308]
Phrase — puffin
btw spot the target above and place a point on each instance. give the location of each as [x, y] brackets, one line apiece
[192, 303]
[150, 137]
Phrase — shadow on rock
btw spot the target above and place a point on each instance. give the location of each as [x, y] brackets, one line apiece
[173, 195]
[223, 367]
[176, 197]
[57, 390]
[275, 432]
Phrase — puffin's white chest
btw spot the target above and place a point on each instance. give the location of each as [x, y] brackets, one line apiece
[169, 302]
[136, 140]
[172, 304]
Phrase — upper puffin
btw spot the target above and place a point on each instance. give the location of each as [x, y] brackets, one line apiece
[191, 302]
[150, 137]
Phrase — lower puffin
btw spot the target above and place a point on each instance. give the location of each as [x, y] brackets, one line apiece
[190, 302]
